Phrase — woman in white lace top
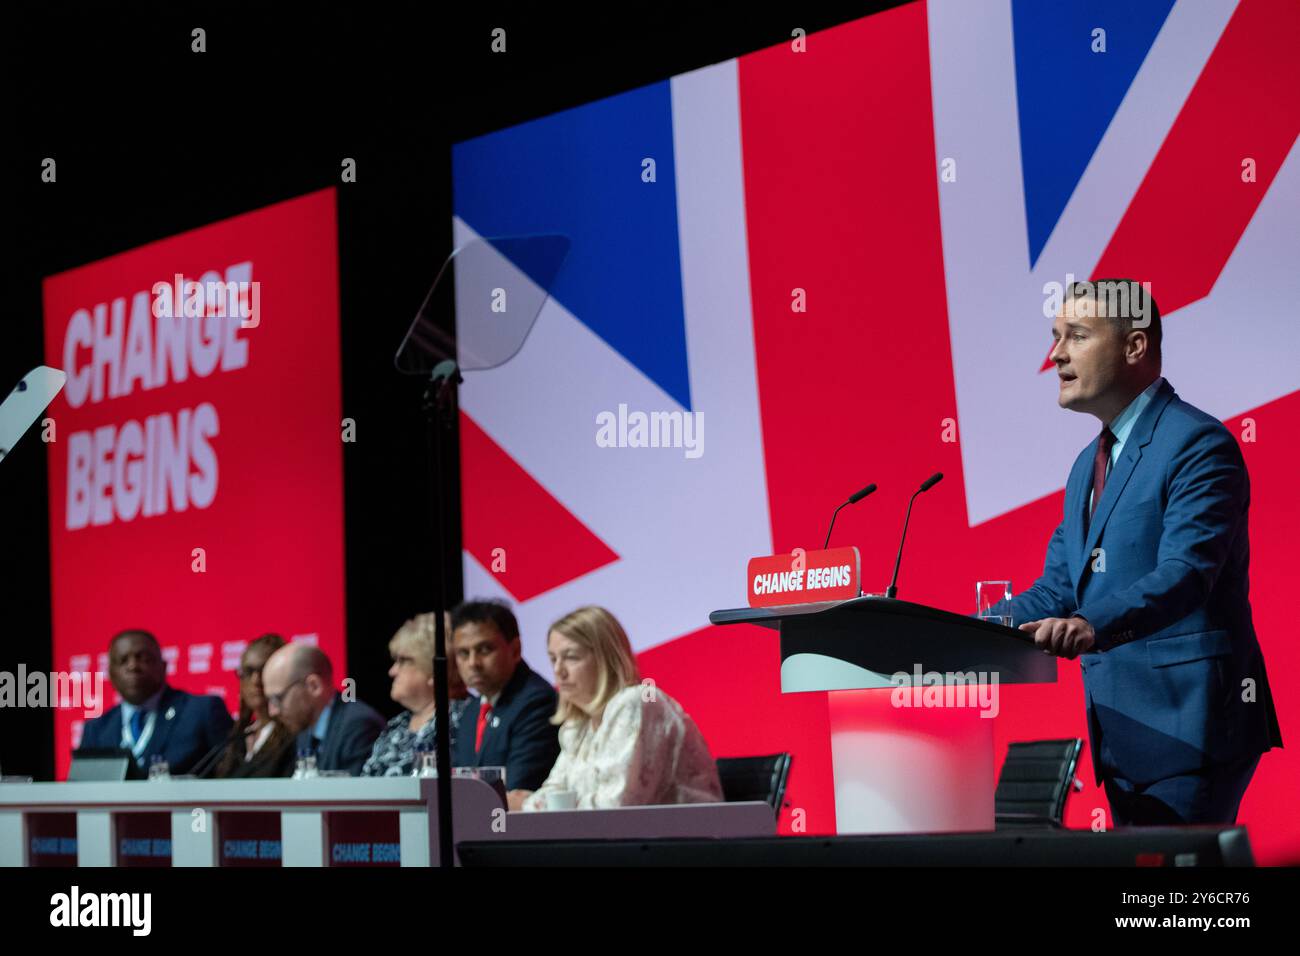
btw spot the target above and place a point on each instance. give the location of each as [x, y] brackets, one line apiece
[622, 742]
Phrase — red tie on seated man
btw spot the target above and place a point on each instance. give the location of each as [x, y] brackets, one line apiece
[484, 708]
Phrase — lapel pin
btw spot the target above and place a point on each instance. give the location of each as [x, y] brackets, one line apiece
[171, 712]
[496, 721]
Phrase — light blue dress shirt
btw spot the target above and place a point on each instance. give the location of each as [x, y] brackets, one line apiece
[1123, 424]
[322, 723]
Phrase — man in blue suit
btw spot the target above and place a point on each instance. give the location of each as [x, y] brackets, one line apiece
[154, 719]
[298, 681]
[1146, 577]
[509, 723]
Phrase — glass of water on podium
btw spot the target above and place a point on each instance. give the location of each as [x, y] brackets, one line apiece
[993, 602]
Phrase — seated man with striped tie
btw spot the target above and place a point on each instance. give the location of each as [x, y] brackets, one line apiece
[154, 720]
[509, 723]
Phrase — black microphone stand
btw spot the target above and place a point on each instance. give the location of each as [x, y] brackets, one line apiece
[892, 590]
[439, 406]
[832, 527]
[853, 499]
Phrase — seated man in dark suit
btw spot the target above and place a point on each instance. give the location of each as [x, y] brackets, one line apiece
[509, 723]
[298, 681]
[154, 719]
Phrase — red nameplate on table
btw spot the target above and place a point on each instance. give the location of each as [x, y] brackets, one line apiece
[804, 577]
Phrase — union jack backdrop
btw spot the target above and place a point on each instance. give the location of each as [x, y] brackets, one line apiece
[832, 258]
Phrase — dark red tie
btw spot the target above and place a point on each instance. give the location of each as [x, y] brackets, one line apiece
[1099, 465]
[483, 708]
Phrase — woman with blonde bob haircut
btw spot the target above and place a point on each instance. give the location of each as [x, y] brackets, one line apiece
[395, 751]
[622, 742]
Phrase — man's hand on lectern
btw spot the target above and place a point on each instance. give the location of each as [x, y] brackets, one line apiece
[1066, 637]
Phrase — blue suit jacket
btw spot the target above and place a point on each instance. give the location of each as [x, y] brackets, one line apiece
[349, 736]
[1161, 574]
[518, 736]
[198, 723]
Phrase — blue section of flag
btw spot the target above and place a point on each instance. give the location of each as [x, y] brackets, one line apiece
[1067, 94]
[579, 174]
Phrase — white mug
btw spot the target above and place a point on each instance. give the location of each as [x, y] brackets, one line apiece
[562, 800]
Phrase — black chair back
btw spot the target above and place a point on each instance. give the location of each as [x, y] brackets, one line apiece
[1035, 782]
[755, 778]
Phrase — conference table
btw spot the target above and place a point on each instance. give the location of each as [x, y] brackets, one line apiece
[324, 821]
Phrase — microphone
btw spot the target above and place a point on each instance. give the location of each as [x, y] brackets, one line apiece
[209, 761]
[853, 500]
[892, 590]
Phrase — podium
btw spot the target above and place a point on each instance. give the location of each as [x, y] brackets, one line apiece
[913, 692]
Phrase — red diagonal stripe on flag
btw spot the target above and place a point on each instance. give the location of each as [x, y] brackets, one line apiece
[1192, 207]
[504, 507]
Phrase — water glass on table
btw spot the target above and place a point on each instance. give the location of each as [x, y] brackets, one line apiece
[993, 602]
[306, 768]
[426, 764]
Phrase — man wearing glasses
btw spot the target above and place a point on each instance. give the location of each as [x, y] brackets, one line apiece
[298, 681]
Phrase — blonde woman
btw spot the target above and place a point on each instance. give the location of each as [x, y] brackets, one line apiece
[622, 743]
[412, 673]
